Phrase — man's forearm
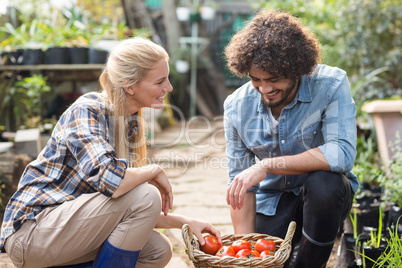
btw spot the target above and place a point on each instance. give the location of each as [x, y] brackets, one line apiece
[244, 219]
[308, 161]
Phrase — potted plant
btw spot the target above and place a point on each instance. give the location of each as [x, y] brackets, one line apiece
[10, 47]
[27, 96]
[392, 256]
[34, 44]
[371, 243]
[57, 52]
[25, 42]
[392, 184]
[96, 54]
[76, 35]
[78, 47]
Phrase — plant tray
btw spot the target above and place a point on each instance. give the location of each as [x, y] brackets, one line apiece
[201, 259]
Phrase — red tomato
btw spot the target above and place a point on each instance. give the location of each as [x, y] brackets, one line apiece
[246, 253]
[266, 253]
[264, 244]
[226, 251]
[211, 245]
[255, 253]
[241, 244]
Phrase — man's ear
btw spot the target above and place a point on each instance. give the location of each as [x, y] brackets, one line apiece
[129, 90]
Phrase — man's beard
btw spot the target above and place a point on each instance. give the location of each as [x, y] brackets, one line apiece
[286, 93]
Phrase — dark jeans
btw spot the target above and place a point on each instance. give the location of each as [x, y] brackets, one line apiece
[320, 208]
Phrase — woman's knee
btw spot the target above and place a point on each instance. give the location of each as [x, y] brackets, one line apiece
[144, 197]
[157, 252]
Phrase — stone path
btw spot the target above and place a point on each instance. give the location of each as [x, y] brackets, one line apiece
[197, 168]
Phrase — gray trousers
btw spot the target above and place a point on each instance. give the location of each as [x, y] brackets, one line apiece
[74, 231]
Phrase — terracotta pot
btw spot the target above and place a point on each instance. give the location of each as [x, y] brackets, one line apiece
[387, 116]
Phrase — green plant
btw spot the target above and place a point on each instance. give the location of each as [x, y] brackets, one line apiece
[371, 33]
[392, 256]
[375, 238]
[393, 182]
[26, 95]
[367, 165]
[358, 87]
[353, 219]
[75, 31]
[27, 35]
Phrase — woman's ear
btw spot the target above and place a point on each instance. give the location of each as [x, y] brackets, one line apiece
[129, 90]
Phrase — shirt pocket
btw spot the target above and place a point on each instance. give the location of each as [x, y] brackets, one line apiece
[264, 151]
[307, 134]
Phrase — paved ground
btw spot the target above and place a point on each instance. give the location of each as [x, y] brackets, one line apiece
[198, 172]
[193, 156]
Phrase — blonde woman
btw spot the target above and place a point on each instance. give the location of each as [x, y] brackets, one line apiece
[89, 198]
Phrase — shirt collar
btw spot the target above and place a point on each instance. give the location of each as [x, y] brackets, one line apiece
[304, 93]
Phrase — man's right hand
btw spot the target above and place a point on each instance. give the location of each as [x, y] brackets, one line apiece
[242, 182]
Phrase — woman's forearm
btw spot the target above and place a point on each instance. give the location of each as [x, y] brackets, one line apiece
[171, 221]
[134, 177]
[198, 227]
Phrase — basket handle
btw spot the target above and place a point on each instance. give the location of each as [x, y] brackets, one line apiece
[287, 242]
[189, 240]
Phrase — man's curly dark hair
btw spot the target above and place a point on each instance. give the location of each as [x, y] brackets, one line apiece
[275, 42]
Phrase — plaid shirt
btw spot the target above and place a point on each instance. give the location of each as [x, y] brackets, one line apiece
[79, 158]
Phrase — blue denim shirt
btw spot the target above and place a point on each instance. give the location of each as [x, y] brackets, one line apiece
[322, 115]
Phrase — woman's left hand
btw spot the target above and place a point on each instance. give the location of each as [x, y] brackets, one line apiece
[200, 227]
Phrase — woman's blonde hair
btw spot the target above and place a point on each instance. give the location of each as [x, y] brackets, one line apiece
[128, 63]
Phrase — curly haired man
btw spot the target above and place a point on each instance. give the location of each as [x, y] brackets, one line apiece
[298, 118]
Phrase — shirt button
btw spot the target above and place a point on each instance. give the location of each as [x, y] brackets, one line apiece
[282, 141]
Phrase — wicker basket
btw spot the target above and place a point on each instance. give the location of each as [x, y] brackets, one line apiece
[201, 259]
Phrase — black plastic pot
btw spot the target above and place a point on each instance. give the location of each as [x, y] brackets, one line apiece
[372, 253]
[33, 57]
[350, 250]
[395, 214]
[97, 56]
[369, 194]
[12, 57]
[78, 55]
[369, 217]
[347, 255]
[57, 55]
